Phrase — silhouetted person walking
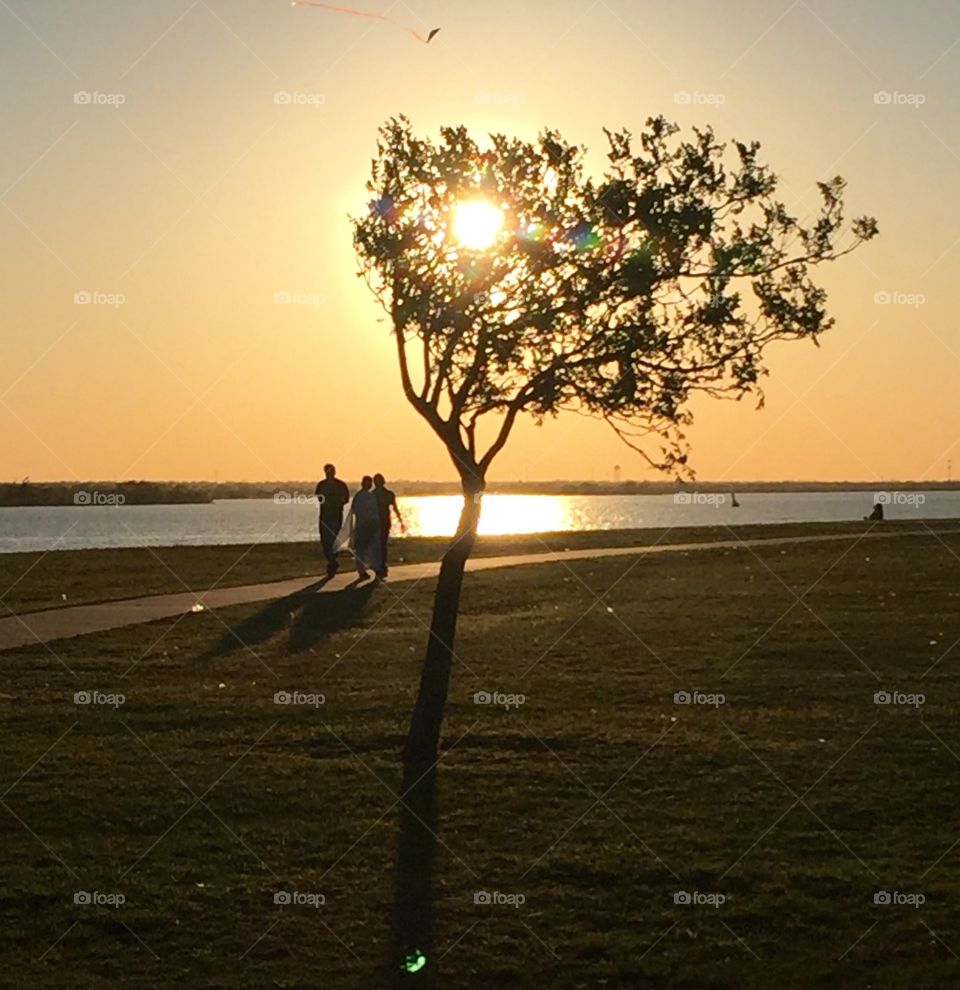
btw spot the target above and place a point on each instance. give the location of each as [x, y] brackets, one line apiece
[333, 496]
[366, 532]
[386, 500]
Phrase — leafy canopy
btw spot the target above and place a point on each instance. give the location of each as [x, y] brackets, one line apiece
[616, 296]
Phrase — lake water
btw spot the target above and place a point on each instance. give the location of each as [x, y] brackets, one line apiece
[264, 520]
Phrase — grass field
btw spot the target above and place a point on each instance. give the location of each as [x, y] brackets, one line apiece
[597, 800]
[37, 580]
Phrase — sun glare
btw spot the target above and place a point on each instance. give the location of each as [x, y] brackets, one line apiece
[477, 223]
[437, 515]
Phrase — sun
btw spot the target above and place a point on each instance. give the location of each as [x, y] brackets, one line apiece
[477, 223]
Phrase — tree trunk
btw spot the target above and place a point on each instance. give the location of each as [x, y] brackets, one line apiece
[416, 849]
[424, 735]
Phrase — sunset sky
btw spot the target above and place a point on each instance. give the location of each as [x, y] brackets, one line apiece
[190, 200]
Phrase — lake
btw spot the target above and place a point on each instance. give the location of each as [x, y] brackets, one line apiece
[269, 521]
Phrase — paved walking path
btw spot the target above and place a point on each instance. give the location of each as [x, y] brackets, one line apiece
[80, 620]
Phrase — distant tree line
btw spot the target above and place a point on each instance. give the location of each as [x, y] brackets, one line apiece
[94, 492]
[202, 492]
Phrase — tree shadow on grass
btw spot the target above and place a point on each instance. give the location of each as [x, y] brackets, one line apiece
[414, 913]
[306, 616]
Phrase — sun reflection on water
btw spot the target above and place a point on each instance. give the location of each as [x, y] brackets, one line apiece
[437, 515]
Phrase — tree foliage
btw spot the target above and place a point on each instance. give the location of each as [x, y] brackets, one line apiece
[617, 296]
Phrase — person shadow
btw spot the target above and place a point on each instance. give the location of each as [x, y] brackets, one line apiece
[306, 616]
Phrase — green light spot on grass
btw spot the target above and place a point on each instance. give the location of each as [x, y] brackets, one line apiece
[415, 961]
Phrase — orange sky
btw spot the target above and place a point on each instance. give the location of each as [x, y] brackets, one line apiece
[188, 198]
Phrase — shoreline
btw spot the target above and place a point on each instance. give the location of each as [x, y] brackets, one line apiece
[576, 535]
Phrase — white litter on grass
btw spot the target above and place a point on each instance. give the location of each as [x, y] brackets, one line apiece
[821, 740]
[221, 684]
[63, 598]
[198, 607]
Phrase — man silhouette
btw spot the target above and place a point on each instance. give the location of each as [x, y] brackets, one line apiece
[366, 533]
[333, 495]
[386, 500]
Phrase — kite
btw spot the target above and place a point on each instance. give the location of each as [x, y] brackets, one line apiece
[371, 15]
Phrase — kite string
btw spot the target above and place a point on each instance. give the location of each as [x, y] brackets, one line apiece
[359, 13]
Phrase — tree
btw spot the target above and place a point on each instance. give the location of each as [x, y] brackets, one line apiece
[518, 284]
